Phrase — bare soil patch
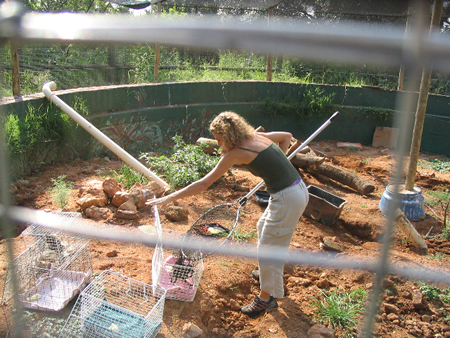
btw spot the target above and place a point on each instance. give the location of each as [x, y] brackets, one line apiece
[226, 284]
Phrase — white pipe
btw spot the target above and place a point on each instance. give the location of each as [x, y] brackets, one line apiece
[105, 140]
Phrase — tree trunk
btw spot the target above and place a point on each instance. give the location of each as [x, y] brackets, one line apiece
[306, 161]
[345, 177]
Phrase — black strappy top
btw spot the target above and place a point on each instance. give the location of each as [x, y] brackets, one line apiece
[273, 167]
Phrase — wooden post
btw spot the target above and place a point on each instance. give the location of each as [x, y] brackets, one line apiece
[15, 68]
[421, 106]
[157, 51]
[401, 73]
[269, 57]
[112, 64]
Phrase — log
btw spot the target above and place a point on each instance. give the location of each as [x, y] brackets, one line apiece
[345, 177]
[260, 129]
[306, 161]
[212, 146]
[411, 233]
[295, 144]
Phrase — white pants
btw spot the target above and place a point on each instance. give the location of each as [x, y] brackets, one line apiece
[275, 229]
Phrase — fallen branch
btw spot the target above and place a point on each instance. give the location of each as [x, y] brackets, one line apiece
[345, 177]
[411, 233]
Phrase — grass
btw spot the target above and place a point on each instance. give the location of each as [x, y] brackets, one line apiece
[238, 235]
[60, 191]
[437, 255]
[340, 309]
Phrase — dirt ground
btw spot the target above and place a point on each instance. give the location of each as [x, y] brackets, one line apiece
[226, 284]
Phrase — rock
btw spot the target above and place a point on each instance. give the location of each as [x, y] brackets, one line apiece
[176, 213]
[191, 330]
[111, 186]
[392, 316]
[332, 244]
[97, 213]
[320, 331]
[89, 200]
[128, 205]
[120, 197]
[417, 299]
[300, 281]
[234, 305]
[237, 187]
[112, 253]
[127, 214]
[426, 318]
[154, 188]
[139, 195]
[390, 308]
[322, 283]
[92, 194]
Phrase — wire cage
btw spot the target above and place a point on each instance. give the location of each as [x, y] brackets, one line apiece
[113, 305]
[36, 231]
[179, 277]
[46, 277]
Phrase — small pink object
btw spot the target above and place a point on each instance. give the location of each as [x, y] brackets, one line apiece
[176, 288]
[349, 145]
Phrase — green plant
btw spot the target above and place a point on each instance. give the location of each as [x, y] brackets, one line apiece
[443, 166]
[339, 308]
[60, 191]
[128, 176]
[432, 292]
[437, 255]
[312, 103]
[188, 163]
[239, 235]
[381, 116]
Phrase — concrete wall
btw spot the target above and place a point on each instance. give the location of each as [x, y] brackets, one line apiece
[141, 117]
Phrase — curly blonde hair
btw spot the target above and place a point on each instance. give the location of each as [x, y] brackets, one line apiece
[233, 128]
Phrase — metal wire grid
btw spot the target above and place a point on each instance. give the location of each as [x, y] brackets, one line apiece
[35, 231]
[171, 271]
[356, 44]
[45, 281]
[113, 305]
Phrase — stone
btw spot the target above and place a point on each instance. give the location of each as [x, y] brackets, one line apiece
[120, 198]
[128, 205]
[417, 299]
[320, 331]
[191, 330]
[127, 214]
[97, 213]
[390, 308]
[176, 213]
[385, 137]
[323, 283]
[89, 200]
[112, 253]
[111, 186]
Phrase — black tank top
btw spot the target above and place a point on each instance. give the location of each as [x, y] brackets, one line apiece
[273, 167]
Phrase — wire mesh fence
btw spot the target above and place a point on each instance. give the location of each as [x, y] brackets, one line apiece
[85, 311]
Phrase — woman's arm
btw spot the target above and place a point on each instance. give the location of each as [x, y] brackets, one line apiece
[225, 163]
[282, 138]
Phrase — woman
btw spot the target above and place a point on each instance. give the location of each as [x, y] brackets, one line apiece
[259, 153]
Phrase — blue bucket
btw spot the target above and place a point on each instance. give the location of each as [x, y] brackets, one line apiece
[410, 202]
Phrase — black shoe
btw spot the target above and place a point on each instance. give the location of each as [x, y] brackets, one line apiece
[258, 306]
[255, 275]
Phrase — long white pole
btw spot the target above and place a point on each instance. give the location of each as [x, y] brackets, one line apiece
[105, 140]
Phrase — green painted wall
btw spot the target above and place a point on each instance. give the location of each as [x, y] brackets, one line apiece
[140, 117]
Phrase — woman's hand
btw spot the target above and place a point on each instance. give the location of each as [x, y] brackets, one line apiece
[157, 201]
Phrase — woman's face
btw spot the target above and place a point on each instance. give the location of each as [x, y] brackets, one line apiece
[219, 139]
